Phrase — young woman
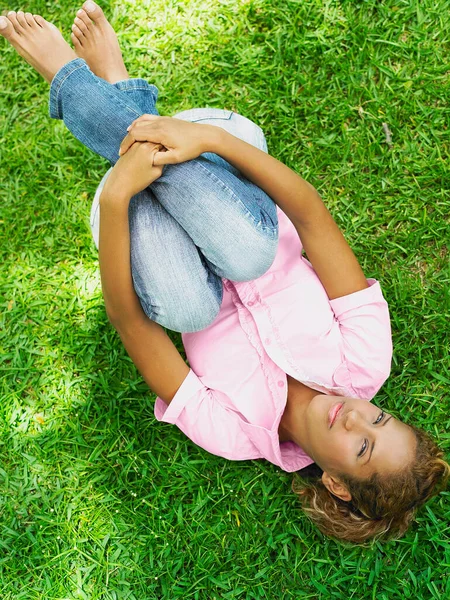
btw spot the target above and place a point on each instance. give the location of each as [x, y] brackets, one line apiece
[284, 353]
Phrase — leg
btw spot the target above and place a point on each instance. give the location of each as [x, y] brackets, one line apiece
[218, 193]
[174, 285]
[182, 302]
[227, 217]
[232, 221]
[95, 111]
[171, 278]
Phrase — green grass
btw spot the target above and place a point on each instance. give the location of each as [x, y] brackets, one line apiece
[97, 499]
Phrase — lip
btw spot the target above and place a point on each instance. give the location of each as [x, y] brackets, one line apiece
[333, 413]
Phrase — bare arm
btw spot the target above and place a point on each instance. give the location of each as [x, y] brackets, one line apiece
[326, 247]
[149, 346]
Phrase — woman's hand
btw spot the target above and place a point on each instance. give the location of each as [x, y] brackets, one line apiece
[134, 171]
[182, 139]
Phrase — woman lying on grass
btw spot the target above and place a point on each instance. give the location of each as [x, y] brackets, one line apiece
[202, 232]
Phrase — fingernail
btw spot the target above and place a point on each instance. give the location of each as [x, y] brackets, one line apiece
[3, 23]
[90, 6]
[128, 128]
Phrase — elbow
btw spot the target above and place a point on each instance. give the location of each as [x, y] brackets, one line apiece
[114, 318]
[124, 322]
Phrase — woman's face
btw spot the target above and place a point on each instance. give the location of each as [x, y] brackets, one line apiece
[362, 439]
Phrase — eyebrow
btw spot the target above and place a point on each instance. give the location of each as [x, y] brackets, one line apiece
[373, 445]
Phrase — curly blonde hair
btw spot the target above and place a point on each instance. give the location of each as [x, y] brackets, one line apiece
[382, 506]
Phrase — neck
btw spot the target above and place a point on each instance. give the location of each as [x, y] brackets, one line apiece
[292, 424]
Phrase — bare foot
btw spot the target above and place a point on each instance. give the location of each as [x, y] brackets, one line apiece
[39, 42]
[96, 41]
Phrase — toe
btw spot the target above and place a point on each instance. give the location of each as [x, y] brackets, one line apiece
[29, 19]
[12, 16]
[76, 42]
[40, 20]
[94, 11]
[81, 26]
[6, 28]
[77, 31]
[82, 16]
[21, 19]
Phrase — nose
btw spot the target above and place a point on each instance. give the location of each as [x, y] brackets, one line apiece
[353, 419]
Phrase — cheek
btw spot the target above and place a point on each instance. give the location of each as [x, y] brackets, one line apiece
[336, 453]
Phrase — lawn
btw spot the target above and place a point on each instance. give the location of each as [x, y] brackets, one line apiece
[97, 499]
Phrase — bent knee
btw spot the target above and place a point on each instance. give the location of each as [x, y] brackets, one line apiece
[254, 265]
[183, 317]
[188, 321]
[192, 321]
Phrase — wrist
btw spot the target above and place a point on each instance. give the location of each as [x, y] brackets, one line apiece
[213, 138]
[111, 194]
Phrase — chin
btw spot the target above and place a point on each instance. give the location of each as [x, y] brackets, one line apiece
[318, 410]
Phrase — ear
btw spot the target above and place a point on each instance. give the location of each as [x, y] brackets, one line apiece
[335, 487]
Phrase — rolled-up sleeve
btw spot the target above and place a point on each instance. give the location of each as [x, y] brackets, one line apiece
[367, 340]
[198, 411]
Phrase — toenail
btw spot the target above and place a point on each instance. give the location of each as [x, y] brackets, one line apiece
[3, 23]
[90, 6]
[80, 12]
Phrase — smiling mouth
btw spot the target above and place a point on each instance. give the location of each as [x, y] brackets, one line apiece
[334, 411]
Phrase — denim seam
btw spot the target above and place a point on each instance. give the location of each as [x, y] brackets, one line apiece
[132, 88]
[259, 224]
[124, 104]
[56, 92]
[129, 85]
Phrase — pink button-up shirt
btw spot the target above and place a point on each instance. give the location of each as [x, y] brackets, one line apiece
[235, 393]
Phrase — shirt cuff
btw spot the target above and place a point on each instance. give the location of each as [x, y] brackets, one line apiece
[170, 413]
[368, 295]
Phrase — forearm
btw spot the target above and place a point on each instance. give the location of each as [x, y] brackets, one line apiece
[121, 301]
[148, 345]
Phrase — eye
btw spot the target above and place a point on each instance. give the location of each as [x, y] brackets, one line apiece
[380, 418]
[363, 449]
[364, 446]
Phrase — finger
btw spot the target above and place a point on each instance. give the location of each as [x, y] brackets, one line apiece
[127, 141]
[139, 134]
[144, 125]
[165, 157]
[154, 152]
[143, 118]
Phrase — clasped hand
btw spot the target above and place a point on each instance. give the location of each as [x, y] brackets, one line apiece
[182, 140]
[134, 172]
[151, 143]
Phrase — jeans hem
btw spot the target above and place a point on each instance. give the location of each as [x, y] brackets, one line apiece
[57, 82]
[133, 84]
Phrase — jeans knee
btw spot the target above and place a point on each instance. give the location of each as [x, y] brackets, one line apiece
[255, 264]
[201, 319]
[186, 320]
[182, 311]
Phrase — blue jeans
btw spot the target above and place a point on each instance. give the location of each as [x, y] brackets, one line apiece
[201, 221]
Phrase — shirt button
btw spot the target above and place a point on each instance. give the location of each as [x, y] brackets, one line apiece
[250, 303]
[267, 341]
[281, 383]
